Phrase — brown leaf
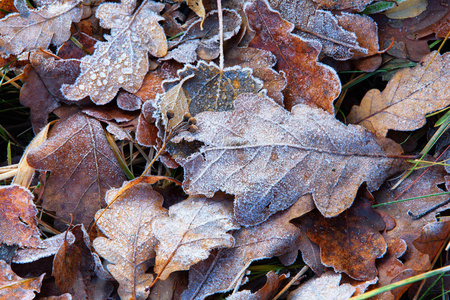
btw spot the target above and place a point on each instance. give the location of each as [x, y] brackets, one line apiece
[342, 4]
[310, 250]
[41, 91]
[319, 25]
[192, 229]
[222, 270]
[408, 97]
[350, 242]
[66, 266]
[408, 230]
[121, 61]
[210, 89]
[323, 287]
[90, 168]
[269, 157]
[261, 62]
[50, 23]
[196, 6]
[308, 81]
[18, 224]
[201, 39]
[14, 287]
[6, 6]
[265, 293]
[129, 241]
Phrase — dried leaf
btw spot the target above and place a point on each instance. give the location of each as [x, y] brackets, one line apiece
[14, 287]
[222, 270]
[407, 9]
[269, 157]
[201, 39]
[350, 242]
[90, 168]
[41, 91]
[319, 25]
[261, 62]
[265, 293]
[308, 81]
[129, 241]
[342, 4]
[121, 61]
[323, 287]
[66, 266]
[196, 6]
[408, 97]
[18, 224]
[46, 24]
[48, 247]
[211, 89]
[193, 227]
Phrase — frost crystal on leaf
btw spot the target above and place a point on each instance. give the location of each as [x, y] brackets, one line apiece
[48, 24]
[269, 158]
[121, 61]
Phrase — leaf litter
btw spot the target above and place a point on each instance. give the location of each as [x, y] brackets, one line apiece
[258, 130]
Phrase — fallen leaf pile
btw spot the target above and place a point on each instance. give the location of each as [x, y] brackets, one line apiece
[254, 145]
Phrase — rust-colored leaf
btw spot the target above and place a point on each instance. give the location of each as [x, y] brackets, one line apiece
[261, 62]
[408, 230]
[50, 23]
[308, 81]
[320, 26]
[129, 241]
[18, 224]
[192, 228]
[269, 157]
[223, 269]
[14, 287]
[408, 97]
[122, 60]
[90, 168]
[350, 242]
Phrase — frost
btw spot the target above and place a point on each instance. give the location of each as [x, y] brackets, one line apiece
[129, 241]
[48, 24]
[269, 157]
[201, 40]
[121, 61]
[193, 228]
[408, 97]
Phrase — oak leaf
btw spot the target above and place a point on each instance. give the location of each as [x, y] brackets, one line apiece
[15, 287]
[192, 228]
[408, 97]
[129, 242]
[324, 287]
[121, 61]
[18, 224]
[319, 25]
[350, 242]
[41, 91]
[221, 271]
[308, 81]
[90, 168]
[47, 24]
[261, 62]
[269, 157]
[208, 88]
[201, 39]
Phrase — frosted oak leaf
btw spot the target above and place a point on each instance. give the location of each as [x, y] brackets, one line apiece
[269, 158]
[122, 60]
[48, 24]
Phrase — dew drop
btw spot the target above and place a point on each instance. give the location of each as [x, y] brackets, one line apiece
[102, 74]
[120, 79]
[105, 81]
[99, 83]
[93, 76]
[81, 86]
[106, 62]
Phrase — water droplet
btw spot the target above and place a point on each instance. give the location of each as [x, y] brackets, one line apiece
[81, 86]
[120, 79]
[106, 62]
[93, 76]
[105, 81]
[99, 83]
[102, 74]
